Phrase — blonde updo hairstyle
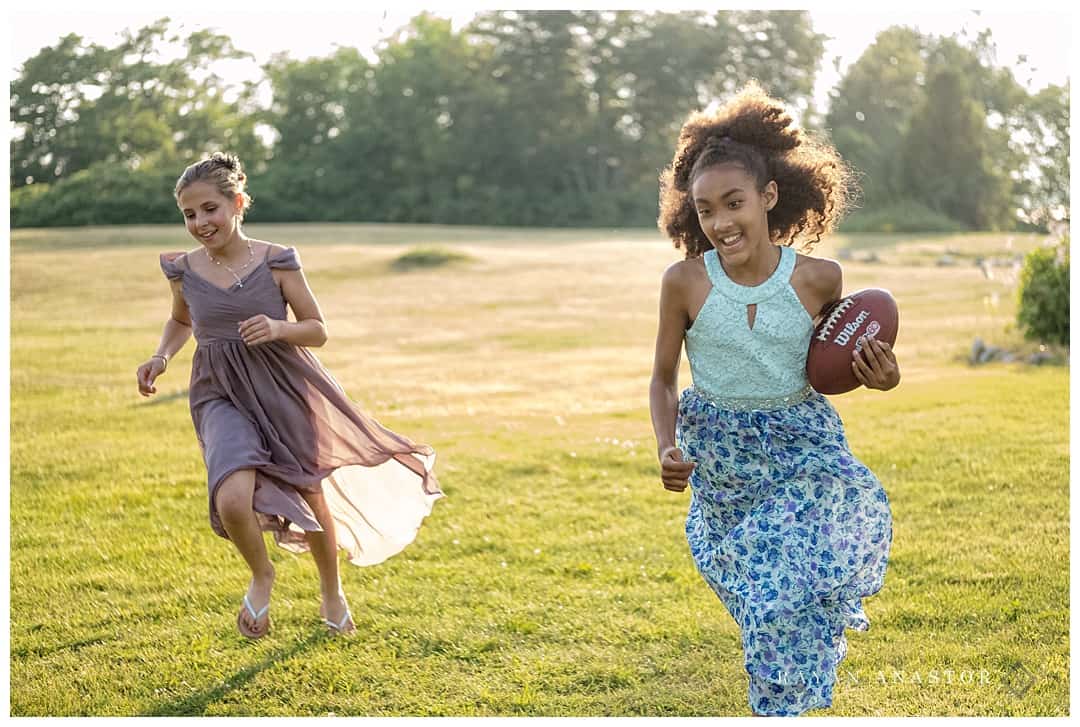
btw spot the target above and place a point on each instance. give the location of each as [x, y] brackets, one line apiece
[222, 170]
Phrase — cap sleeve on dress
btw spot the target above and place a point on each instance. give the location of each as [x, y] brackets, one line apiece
[287, 259]
[171, 265]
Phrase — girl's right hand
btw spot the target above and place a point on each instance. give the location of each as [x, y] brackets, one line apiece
[146, 374]
[674, 472]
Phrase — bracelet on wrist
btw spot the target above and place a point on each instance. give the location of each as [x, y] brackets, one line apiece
[163, 357]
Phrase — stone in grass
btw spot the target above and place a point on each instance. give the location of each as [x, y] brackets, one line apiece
[981, 353]
[989, 354]
[430, 256]
[977, 347]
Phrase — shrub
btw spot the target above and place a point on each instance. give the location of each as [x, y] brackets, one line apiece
[26, 207]
[901, 216]
[427, 257]
[1043, 313]
[103, 194]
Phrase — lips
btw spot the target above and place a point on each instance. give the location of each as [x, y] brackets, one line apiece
[731, 241]
[208, 235]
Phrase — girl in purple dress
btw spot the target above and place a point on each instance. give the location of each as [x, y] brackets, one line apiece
[286, 450]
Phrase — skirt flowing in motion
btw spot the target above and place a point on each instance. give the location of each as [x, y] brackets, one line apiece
[791, 531]
[275, 409]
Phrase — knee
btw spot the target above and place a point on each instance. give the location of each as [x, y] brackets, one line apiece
[234, 496]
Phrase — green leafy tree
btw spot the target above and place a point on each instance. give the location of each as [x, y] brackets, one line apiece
[1044, 143]
[1002, 101]
[313, 113]
[542, 108]
[871, 110]
[435, 125]
[880, 121]
[48, 99]
[946, 157]
[595, 98]
[779, 48]
[77, 104]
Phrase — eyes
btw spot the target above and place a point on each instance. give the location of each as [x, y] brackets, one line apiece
[732, 205]
[191, 215]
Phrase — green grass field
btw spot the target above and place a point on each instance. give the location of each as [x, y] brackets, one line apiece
[555, 579]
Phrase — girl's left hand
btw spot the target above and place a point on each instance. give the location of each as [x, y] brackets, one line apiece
[260, 329]
[879, 370]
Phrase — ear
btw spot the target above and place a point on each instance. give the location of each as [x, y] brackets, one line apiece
[771, 195]
[238, 202]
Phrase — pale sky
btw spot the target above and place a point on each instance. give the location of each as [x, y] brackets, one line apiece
[1043, 34]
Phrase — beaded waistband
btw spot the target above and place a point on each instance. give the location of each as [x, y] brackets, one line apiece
[753, 404]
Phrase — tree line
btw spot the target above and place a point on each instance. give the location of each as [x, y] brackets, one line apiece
[537, 118]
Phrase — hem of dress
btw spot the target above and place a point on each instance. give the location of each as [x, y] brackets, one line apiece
[228, 473]
[820, 705]
[815, 701]
[271, 522]
[291, 534]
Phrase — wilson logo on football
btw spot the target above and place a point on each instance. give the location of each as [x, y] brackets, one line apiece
[872, 329]
[850, 328]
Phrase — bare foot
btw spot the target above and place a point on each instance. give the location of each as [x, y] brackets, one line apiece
[335, 613]
[256, 625]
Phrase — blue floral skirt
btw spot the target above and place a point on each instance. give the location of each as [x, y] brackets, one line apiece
[791, 532]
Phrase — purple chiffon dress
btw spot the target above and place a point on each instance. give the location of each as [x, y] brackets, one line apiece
[273, 408]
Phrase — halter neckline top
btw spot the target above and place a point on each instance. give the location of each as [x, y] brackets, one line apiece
[728, 357]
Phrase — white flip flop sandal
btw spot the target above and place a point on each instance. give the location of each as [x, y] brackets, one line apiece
[255, 616]
[339, 628]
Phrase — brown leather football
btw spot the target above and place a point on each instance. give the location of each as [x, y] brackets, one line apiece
[844, 328]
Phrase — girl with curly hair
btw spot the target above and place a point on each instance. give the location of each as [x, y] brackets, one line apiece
[788, 528]
[285, 449]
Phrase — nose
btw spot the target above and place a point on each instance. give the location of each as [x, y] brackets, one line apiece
[720, 224]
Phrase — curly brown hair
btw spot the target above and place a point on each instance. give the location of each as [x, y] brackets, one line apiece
[755, 131]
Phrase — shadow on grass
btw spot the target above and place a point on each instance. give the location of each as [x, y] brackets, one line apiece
[163, 399]
[45, 651]
[197, 703]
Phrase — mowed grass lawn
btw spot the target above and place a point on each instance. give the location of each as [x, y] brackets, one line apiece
[555, 578]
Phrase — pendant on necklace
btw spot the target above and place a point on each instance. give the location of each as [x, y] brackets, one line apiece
[251, 258]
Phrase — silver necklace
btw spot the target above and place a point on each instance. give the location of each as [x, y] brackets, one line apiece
[251, 257]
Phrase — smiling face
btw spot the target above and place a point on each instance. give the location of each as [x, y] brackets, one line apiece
[733, 212]
[211, 218]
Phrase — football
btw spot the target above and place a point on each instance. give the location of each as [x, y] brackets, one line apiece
[845, 326]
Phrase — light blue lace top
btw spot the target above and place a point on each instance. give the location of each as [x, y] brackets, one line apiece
[728, 358]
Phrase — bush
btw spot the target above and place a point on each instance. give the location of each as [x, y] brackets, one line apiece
[427, 257]
[901, 216]
[26, 205]
[1043, 313]
[103, 194]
